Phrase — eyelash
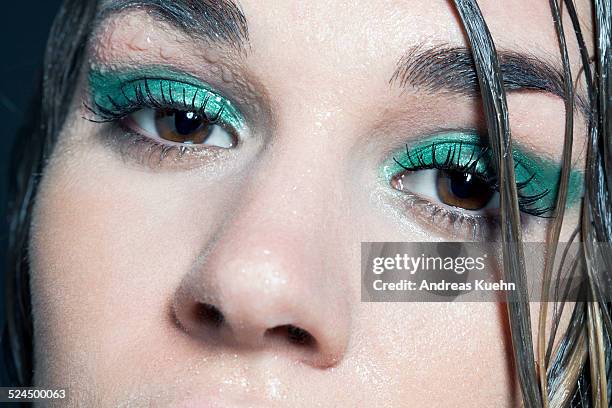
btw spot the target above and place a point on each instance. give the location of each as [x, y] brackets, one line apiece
[143, 148]
[480, 157]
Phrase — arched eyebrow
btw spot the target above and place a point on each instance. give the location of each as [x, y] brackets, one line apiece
[451, 69]
[218, 21]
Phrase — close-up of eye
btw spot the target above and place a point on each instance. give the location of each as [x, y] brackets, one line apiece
[155, 109]
[182, 127]
[455, 172]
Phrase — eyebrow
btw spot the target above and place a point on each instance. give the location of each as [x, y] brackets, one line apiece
[452, 69]
[218, 21]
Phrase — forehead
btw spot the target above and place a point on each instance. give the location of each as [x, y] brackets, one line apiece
[345, 30]
[342, 41]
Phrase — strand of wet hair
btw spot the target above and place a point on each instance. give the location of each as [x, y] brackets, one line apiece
[559, 209]
[581, 376]
[496, 113]
[598, 213]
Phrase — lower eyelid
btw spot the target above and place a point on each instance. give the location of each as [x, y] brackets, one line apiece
[448, 223]
[141, 151]
[443, 221]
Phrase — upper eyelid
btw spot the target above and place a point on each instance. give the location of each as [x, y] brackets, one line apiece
[122, 78]
[141, 85]
[478, 152]
[170, 100]
[475, 137]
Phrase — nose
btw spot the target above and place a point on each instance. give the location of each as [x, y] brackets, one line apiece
[264, 284]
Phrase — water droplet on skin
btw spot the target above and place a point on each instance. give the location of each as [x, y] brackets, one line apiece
[168, 52]
[211, 57]
[273, 388]
[139, 42]
[226, 74]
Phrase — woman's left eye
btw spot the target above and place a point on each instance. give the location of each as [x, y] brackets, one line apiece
[179, 126]
[451, 187]
[452, 174]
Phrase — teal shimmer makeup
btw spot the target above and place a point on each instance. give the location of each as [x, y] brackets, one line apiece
[117, 93]
[536, 177]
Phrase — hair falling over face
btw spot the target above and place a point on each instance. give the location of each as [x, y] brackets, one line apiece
[575, 372]
[578, 373]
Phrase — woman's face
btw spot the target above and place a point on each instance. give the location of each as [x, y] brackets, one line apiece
[180, 262]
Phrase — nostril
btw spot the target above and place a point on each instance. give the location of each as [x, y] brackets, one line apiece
[208, 314]
[299, 336]
[293, 335]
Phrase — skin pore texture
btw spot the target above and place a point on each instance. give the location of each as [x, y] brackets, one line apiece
[132, 234]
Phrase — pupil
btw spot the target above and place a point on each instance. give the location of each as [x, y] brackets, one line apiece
[186, 122]
[465, 185]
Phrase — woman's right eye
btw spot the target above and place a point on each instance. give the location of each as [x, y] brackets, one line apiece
[163, 115]
[179, 126]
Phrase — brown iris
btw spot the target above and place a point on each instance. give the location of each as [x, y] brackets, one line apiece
[182, 126]
[462, 190]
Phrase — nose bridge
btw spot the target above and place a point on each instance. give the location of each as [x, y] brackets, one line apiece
[296, 182]
[285, 192]
[271, 250]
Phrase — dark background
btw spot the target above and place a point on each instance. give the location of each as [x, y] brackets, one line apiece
[23, 33]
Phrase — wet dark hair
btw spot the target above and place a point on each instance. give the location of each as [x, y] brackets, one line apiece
[578, 375]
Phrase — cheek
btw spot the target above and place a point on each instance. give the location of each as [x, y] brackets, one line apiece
[109, 246]
[433, 353]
